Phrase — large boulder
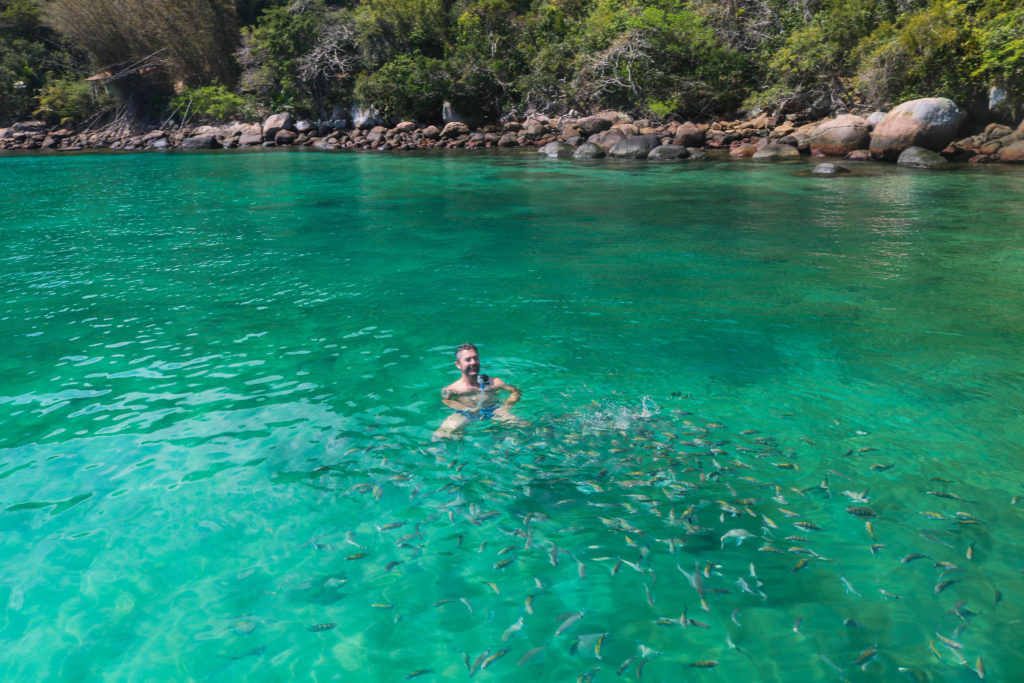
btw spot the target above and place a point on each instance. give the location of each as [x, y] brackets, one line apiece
[776, 153]
[277, 122]
[454, 129]
[931, 123]
[200, 142]
[588, 150]
[667, 153]
[634, 147]
[919, 157]
[592, 125]
[1013, 153]
[607, 139]
[840, 136]
[252, 136]
[689, 134]
[285, 137]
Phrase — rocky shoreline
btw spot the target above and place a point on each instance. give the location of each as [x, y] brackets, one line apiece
[921, 133]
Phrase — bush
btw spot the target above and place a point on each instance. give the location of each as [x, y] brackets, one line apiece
[212, 102]
[69, 100]
[929, 53]
[410, 86]
[20, 77]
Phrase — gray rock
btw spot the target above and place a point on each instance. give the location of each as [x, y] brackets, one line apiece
[932, 123]
[200, 142]
[829, 169]
[158, 143]
[667, 153]
[698, 154]
[557, 150]
[508, 140]
[431, 133]
[306, 127]
[919, 157]
[874, 118]
[574, 140]
[276, 122]
[324, 144]
[634, 147]
[776, 153]
[588, 150]
[592, 125]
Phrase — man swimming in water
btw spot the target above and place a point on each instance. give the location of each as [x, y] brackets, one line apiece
[474, 397]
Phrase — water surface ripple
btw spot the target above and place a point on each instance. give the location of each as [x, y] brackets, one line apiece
[772, 431]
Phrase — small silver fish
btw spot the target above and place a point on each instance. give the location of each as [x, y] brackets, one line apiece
[568, 623]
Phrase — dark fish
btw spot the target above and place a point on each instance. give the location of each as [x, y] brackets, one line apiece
[943, 585]
[810, 526]
[530, 654]
[418, 673]
[946, 494]
[799, 565]
[881, 468]
[704, 664]
[865, 657]
[322, 627]
[495, 657]
[859, 511]
[913, 556]
[625, 665]
[391, 565]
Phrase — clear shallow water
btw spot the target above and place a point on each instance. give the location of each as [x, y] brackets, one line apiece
[221, 374]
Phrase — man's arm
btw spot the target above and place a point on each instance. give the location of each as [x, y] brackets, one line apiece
[514, 393]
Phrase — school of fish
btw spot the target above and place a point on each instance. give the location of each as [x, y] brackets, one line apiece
[664, 548]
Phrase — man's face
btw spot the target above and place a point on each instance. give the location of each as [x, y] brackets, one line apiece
[468, 362]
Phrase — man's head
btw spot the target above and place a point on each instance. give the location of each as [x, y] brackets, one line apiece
[467, 360]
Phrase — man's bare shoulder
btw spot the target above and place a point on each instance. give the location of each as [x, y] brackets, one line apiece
[454, 389]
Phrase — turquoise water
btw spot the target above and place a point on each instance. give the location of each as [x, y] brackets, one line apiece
[221, 375]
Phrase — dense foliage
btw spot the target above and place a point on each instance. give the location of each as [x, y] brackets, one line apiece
[492, 58]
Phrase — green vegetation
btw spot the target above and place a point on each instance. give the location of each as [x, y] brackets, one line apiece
[492, 58]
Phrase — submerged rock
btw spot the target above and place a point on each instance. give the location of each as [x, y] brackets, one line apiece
[557, 150]
[588, 150]
[772, 152]
[829, 169]
[634, 147]
[919, 157]
[667, 153]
